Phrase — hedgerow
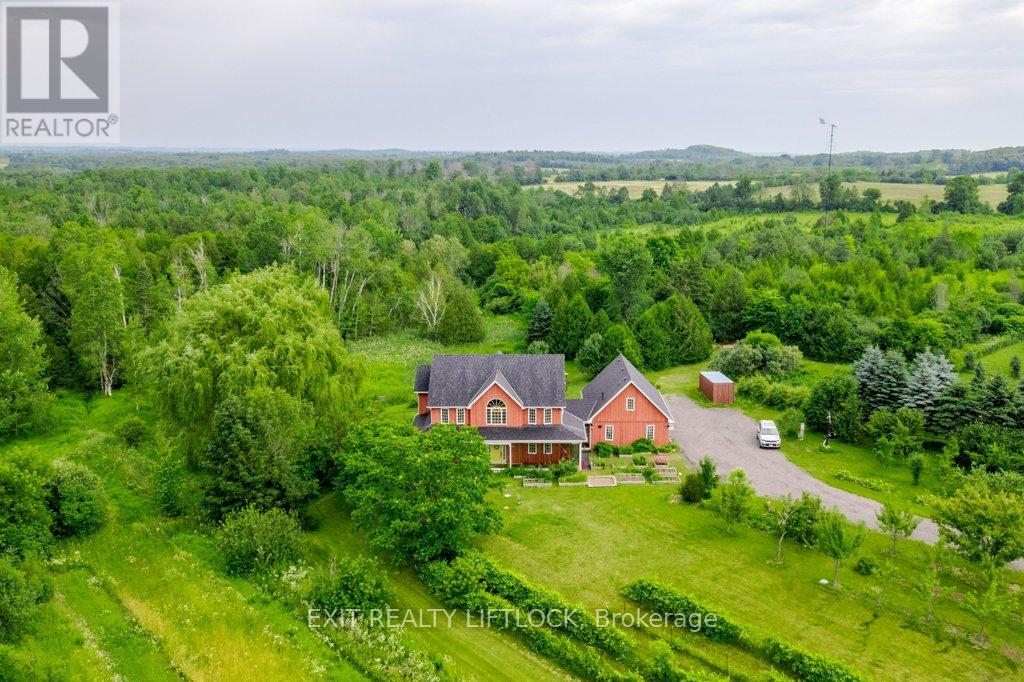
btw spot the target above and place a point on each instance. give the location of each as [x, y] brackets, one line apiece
[802, 664]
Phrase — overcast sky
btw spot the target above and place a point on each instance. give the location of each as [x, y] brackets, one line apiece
[544, 74]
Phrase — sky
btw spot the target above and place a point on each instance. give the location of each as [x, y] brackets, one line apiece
[587, 75]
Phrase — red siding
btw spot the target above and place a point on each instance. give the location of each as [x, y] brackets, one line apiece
[629, 426]
[423, 403]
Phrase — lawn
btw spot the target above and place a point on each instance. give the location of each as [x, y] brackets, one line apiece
[587, 543]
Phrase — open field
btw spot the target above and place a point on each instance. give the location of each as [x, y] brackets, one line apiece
[891, 191]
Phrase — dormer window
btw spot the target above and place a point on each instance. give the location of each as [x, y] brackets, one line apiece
[497, 413]
[630, 404]
[532, 415]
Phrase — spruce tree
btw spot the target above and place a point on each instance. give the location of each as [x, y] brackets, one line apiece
[930, 375]
[461, 321]
[570, 326]
[727, 304]
[893, 379]
[591, 355]
[540, 322]
[867, 369]
[953, 410]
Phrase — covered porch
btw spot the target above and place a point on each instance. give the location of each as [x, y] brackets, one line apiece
[504, 454]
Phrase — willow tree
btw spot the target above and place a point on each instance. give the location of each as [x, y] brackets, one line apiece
[266, 329]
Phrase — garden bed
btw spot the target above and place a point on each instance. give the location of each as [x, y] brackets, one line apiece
[601, 482]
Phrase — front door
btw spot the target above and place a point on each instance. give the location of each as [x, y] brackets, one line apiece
[499, 455]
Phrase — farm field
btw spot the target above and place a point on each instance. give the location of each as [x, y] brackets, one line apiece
[891, 191]
[597, 540]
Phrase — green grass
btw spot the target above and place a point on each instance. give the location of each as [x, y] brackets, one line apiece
[472, 653]
[147, 593]
[588, 543]
[389, 362]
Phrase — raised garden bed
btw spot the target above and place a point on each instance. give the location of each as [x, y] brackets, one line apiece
[571, 484]
[601, 482]
[536, 483]
[630, 479]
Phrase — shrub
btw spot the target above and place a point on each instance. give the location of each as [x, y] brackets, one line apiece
[866, 566]
[806, 514]
[352, 583]
[643, 445]
[869, 483]
[603, 449]
[639, 460]
[758, 353]
[691, 490]
[25, 518]
[21, 588]
[255, 541]
[132, 431]
[661, 599]
[175, 491]
[917, 462]
[76, 499]
[838, 395]
[762, 390]
[789, 422]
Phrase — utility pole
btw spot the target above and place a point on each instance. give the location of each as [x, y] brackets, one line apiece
[828, 176]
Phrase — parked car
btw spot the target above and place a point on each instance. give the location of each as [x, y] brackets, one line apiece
[768, 434]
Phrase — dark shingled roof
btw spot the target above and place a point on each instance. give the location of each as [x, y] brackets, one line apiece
[422, 384]
[454, 380]
[580, 407]
[558, 433]
[613, 379]
[572, 431]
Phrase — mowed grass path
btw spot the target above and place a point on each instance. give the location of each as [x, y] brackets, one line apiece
[588, 543]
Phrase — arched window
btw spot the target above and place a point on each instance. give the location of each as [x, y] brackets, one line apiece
[496, 412]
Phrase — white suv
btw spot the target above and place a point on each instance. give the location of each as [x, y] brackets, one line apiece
[768, 434]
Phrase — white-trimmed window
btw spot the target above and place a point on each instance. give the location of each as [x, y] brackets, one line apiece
[547, 415]
[444, 415]
[650, 432]
[609, 432]
[460, 415]
[532, 414]
[532, 448]
[547, 448]
[630, 404]
[497, 413]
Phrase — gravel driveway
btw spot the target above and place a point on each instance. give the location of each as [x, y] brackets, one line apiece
[729, 437]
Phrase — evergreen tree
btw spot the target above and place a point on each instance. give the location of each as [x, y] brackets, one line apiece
[619, 340]
[540, 322]
[953, 410]
[689, 277]
[461, 321]
[893, 380]
[570, 326]
[591, 355]
[673, 332]
[867, 370]
[930, 375]
[996, 402]
[727, 306]
[600, 322]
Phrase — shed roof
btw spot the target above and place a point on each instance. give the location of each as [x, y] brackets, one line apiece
[716, 377]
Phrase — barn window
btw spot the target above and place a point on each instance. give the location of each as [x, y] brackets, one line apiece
[444, 415]
[630, 404]
[533, 415]
[547, 415]
[460, 415]
[650, 432]
[547, 448]
[609, 432]
[497, 413]
[532, 448]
